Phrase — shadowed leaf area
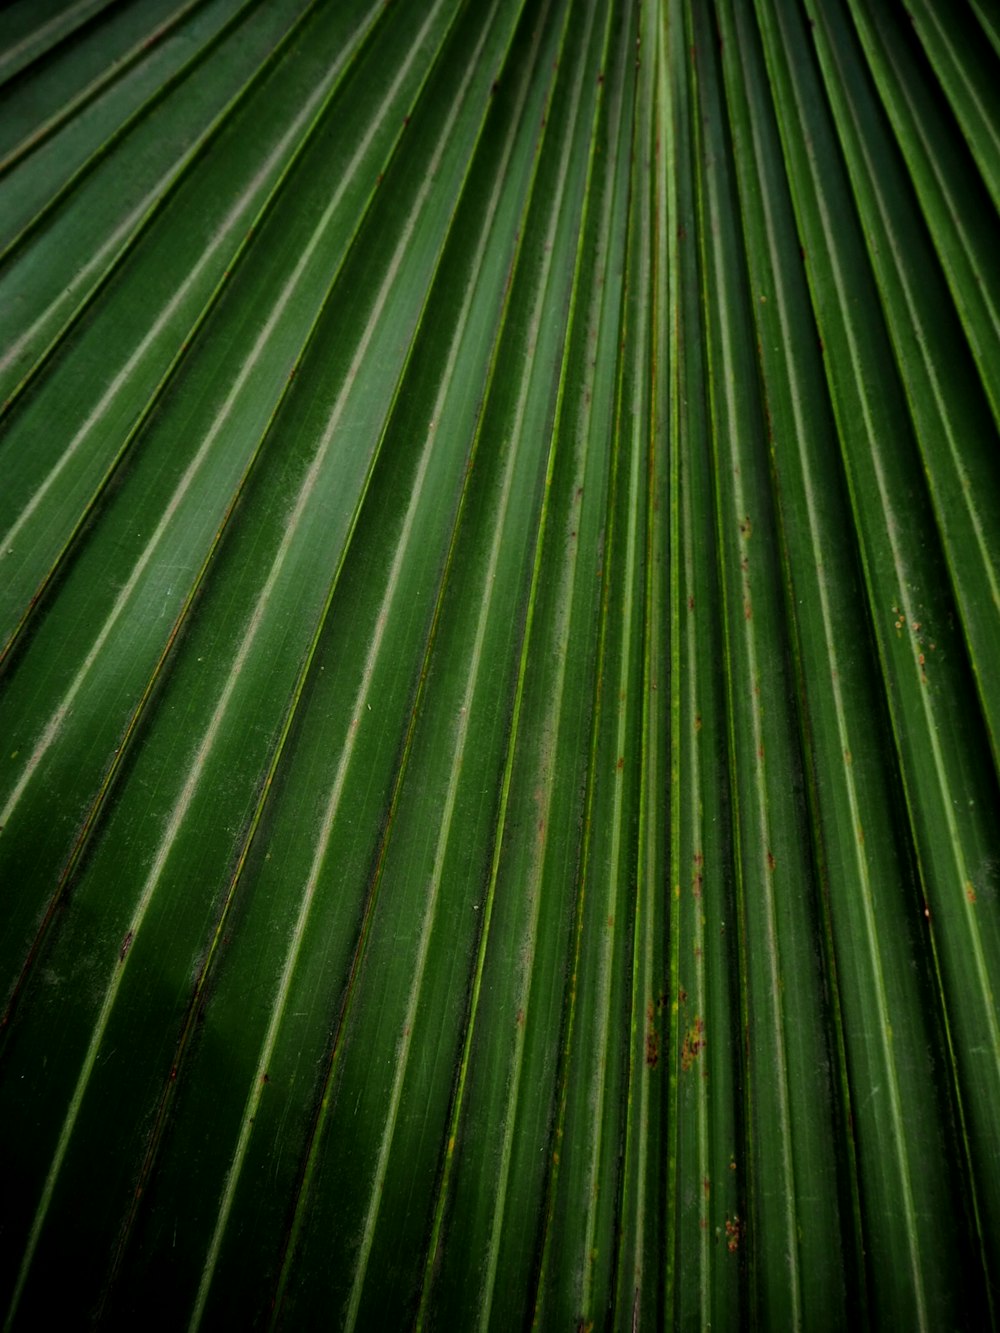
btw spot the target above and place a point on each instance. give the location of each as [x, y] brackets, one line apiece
[499, 640]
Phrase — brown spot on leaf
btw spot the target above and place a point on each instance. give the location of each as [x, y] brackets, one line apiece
[693, 1044]
[652, 1039]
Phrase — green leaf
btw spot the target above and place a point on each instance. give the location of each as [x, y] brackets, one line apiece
[497, 637]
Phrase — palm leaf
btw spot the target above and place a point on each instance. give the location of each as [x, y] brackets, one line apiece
[501, 563]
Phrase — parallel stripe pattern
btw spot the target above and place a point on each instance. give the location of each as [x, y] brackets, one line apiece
[500, 512]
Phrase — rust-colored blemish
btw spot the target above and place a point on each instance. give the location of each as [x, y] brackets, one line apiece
[693, 1044]
[652, 1038]
[970, 892]
[697, 722]
[697, 883]
[621, 762]
[770, 859]
[682, 995]
[746, 528]
[734, 1232]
